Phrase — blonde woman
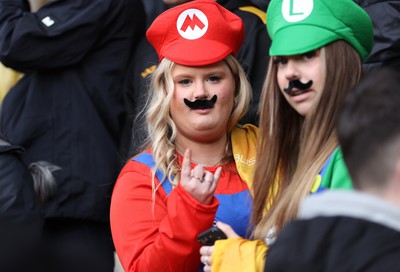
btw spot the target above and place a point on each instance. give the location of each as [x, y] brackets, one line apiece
[198, 163]
[317, 52]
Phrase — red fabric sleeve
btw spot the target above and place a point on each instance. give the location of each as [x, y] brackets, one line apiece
[160, 237]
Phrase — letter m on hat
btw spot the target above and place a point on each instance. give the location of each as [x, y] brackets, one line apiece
[192, 23]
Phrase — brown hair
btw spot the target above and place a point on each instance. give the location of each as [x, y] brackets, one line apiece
[292, 149]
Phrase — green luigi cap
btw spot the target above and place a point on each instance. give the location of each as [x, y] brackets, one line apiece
[300, 26]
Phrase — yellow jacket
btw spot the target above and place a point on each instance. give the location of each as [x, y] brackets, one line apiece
[239, 255]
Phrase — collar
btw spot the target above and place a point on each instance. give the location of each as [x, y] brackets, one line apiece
[244, 140]
[351, 204]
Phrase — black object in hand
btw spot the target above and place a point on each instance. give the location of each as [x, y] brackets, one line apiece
[209, 236]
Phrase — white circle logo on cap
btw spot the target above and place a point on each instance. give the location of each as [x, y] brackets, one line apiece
[192, 24]
[296, 10]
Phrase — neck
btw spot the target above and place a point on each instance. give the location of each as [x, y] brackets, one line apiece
[390, 194]
[205, 154]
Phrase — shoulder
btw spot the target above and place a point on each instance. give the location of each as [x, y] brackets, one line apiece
[244, 139]
[353, 204]
[139, 164]
[332, 216]
[247, 129]
[334, 173]
[135, 178]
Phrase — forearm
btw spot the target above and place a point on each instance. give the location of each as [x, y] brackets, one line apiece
[177, 234]
[58, 35]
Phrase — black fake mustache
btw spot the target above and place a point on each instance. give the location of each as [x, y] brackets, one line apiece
[201, 104]
[297, 84]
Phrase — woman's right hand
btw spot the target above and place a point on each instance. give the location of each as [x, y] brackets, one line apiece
[198, 182]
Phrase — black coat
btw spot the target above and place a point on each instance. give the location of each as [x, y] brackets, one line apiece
[262, 4]
[254, 53]
[339, 231]
[68, 108]
[21, 219]
[385, 16]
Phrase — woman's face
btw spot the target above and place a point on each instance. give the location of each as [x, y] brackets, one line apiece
[306, 72]
[197, 121]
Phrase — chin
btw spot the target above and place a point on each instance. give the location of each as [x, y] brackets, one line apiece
[303, 108]
[303, 111]
[205, 127]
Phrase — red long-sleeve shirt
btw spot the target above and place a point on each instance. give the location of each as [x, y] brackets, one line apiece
[161, 237]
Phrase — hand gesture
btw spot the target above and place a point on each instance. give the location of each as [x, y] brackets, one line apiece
[198, 182]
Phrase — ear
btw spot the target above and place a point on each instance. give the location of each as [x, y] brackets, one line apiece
[393, 190]
[396, 173]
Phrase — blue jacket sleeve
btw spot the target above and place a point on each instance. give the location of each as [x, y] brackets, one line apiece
[57, 35]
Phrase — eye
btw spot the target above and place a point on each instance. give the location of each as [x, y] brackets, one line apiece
[280, 60]
[214, 79]
[184, 82]
[310, 55]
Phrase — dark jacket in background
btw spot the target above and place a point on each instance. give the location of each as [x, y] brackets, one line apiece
[339, 231]
[254, 53]
[385, 16]
[68, 108]
[262, 4]
[21, 219]
[153, 8]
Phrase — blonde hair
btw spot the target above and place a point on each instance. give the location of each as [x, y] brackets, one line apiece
[161, 127]
[293, 149]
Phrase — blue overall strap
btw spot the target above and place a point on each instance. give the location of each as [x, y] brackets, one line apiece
[317, 186]
[235, 210]
[147, 159]
[326, 165]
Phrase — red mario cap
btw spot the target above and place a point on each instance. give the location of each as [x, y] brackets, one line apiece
[196, 33]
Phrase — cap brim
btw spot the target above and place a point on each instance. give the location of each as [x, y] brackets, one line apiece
[198, 53]
[299, 39]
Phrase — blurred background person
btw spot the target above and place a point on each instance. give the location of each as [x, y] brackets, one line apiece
[385, 16]
[21, 216]
[68, 110]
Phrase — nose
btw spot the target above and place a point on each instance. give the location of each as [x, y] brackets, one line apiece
[200, 91]
[292, 72]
